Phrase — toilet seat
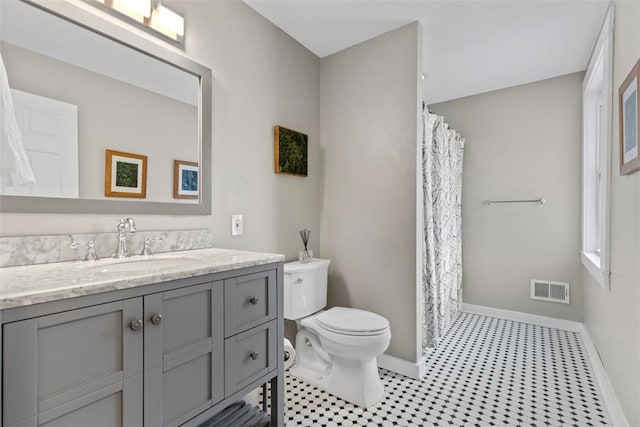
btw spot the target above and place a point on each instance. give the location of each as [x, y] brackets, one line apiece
[352, 322]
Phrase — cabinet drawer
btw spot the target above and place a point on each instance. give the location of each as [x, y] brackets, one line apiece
[249, 356]
[249, 301]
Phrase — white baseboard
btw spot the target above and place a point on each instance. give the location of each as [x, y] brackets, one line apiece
[534, 319]
[616, 415]
[415, 370]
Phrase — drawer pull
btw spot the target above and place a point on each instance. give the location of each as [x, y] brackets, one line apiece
[156, 319]
[135, 325]
[253, 300]
[254, 355]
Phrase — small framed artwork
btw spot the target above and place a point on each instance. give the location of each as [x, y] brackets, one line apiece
[629, 104]
[125, 175]
[290, 149]
[185, 180]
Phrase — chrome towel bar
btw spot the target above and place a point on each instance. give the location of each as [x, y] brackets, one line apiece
[540, 201]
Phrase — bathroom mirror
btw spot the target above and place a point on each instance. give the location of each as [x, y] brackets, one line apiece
[85, 86]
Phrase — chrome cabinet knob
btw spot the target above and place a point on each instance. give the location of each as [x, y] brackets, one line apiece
[135, 325]
[156, 319]
[253, 300]
[254, 355]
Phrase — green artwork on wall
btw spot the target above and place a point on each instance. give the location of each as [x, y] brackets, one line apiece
[291, 149]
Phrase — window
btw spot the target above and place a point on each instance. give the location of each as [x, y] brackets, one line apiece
[597, 99]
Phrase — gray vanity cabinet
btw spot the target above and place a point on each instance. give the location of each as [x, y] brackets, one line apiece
[183, 353]
[166, 354]
[75, 367]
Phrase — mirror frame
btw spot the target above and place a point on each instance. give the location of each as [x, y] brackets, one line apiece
[86, 16]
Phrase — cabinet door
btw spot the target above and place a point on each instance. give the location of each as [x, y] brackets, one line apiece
[183, 353]
[77, 368]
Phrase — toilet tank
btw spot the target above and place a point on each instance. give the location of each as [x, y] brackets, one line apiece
[305, 288]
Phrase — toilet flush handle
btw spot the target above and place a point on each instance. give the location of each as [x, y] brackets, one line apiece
[299, 280]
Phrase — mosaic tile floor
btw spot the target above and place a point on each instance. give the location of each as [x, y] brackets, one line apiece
[487, 372]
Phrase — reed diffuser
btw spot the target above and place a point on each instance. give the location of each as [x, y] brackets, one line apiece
[306, 255]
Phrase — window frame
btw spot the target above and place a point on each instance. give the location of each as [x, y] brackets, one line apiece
[597, 101]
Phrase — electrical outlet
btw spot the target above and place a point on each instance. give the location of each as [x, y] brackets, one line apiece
[236, 225]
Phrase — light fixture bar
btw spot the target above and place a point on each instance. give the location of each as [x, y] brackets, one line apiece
[149, 15]
[167, 21]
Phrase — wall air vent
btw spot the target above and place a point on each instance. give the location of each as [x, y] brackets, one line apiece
[545, 290]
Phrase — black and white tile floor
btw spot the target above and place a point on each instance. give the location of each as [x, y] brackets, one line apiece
[487, 372]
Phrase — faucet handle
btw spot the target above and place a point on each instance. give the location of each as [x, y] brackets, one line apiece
[91, 249]
[127, 224]
[146, 249]
[76, 245]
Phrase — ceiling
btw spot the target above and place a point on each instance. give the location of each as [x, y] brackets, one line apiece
[470, 47]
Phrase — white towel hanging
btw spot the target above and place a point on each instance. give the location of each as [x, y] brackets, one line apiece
[15, 166]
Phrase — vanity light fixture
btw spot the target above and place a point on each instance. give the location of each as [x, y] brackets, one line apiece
[135, 9]
[167, 21]
[148, 15]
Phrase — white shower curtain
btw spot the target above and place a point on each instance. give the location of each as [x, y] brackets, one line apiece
[442, 153]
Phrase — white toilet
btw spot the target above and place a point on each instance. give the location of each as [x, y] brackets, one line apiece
[337, 348]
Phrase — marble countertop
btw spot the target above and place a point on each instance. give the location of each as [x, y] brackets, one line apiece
[34, 284]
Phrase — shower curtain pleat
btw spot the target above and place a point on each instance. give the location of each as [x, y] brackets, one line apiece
[442, 154]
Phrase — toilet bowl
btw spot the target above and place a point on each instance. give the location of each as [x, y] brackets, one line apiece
[337, 348]
[353, 374]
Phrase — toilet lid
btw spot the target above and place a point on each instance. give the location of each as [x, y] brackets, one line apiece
[352, 321]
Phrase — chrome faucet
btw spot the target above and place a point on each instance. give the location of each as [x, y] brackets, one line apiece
[124, 226]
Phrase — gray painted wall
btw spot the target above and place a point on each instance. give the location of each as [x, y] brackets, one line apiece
[522, 142]
[613, 317]
[262, 77]
[369, 103]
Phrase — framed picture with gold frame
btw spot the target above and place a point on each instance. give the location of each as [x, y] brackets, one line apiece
[125, 174]
[186, 179]
[629, 112]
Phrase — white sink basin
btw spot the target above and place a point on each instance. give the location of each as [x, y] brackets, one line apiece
[137, 263]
